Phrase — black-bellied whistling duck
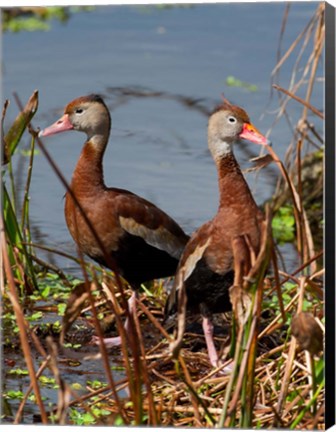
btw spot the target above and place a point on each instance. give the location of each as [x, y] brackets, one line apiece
[205, 271]
[144, 242]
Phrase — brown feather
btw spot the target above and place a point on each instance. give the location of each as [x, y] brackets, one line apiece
[236, 110]
[144, 241]
[206, 270]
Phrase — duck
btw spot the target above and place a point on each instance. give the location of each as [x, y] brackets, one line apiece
[143, 242]
[206, 269]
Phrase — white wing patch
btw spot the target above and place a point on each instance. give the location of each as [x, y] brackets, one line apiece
[193, 259]
[159, 238]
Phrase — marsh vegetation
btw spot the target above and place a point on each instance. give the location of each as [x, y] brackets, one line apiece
[277, 377]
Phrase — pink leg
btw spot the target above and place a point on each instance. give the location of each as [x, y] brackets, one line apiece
[116, 341]
[208, 333]
[213, 356]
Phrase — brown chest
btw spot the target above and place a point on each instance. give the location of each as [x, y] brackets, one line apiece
[103, 220]
[227, 225]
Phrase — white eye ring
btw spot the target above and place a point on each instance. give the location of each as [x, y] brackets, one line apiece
[232, 119]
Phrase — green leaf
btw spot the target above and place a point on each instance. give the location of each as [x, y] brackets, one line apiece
[57, 326]
[46, 380]
[13, 394]
[231, 81]
[96, 384]
[118, 421]
[27, 153]
[61, 308]
[18, 371]
[45, 292]
[13, 136]
[28, 24]
[35, 316]
[88, 418]
[283, 225]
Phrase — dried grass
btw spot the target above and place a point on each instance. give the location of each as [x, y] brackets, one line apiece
[278, 384]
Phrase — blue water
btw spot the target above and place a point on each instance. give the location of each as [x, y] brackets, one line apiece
[158, 147]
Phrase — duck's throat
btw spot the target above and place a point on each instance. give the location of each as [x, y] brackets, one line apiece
[88, 175]
[233, 188]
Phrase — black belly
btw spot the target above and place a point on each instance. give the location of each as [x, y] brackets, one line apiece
[139, 262]
[207, 291]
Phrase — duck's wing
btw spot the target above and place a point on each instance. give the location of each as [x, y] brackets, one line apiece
[141, 218]
[192, 254]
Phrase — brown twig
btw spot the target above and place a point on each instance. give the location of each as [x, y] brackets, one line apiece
[298, 99]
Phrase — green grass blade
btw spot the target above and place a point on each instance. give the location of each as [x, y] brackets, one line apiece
[15, 240]
[25, 206]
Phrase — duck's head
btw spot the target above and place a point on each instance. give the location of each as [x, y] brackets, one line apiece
[229, 124]
[87, 114]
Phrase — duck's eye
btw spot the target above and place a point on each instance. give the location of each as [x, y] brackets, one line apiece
[232, 119]
[79, 111]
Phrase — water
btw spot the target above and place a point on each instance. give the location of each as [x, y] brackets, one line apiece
[76, 372]
[158, 147]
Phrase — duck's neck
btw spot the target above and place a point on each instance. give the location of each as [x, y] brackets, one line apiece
[88, 175]
[233, 188]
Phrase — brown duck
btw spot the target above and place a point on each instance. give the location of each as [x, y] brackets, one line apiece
[144, 242]
[205, 271]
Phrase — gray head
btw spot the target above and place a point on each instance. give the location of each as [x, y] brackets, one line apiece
[87, 114]
[227, 125]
